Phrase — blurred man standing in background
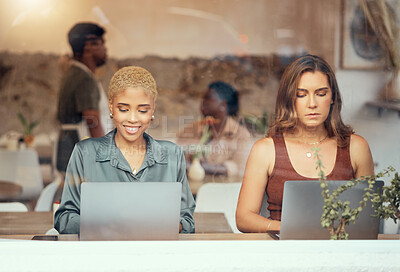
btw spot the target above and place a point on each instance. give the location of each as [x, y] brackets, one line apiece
[82, 101]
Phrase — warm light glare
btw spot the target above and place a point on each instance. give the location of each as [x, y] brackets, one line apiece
[244, 38]
[32, 4]
[28, 8]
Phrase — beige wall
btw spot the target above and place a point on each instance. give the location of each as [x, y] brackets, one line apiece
[33, 37]
[174, 28]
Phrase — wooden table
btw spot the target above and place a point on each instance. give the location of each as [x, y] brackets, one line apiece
[9, 190]
[224, 236]
[41, 237]
[211, 223]
[195, 184]
[25, 222]
[388, 236]
[182, 237]
[209, 226]
[41, 222]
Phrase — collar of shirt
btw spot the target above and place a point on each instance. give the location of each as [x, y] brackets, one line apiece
[81, 66]
[108, 151]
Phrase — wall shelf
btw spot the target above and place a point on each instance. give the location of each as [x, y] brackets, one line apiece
[385, 106]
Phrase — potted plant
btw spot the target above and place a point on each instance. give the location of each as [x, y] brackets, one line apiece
[28, 129]
[386, 203]
[337, 214]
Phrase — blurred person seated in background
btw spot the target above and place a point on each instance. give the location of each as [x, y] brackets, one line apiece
[228, 143]
[127, 153]
[307, 115]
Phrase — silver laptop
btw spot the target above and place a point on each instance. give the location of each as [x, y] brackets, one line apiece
[130, 210]
[302, 210]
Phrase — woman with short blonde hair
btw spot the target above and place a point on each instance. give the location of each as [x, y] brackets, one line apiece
[126, 154]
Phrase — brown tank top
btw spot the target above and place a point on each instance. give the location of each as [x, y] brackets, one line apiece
[283, 170]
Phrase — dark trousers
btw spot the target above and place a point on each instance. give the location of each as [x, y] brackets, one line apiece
[66, 142]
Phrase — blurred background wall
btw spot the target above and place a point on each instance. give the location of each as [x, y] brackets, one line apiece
[185, 44]
[173, 28]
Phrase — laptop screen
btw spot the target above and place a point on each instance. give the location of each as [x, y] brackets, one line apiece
[130, 210]
[302, 208]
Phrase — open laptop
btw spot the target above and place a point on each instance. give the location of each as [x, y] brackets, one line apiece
[302, 210]
[130, 210]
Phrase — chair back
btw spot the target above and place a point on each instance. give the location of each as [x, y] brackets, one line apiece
[46, 197]
[223, 197]
[22, 167]
[219, 197]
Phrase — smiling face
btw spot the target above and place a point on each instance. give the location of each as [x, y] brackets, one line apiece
[313, 99]
[132, 111]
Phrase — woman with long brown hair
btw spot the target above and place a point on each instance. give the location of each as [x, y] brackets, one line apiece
[307, 115]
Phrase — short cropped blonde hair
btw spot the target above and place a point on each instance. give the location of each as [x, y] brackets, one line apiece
[132, 77]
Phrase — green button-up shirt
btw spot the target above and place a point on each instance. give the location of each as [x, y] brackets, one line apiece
[100, 160]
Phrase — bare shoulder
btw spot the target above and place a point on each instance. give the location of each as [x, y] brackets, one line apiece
[361, 157]
[264, 143]
[358, 143]
[262, 156]
[260, 162]
[263, 146]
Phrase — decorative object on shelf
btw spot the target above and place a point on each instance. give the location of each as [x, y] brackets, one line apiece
[196, 171]
[391, 92]
[337, 214]
[382, 19]
[28, 129]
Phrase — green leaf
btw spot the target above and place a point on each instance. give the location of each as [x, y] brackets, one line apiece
[22, 119]
[28, 127]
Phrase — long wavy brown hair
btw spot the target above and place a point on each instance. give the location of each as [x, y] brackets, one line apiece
[285, 113]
